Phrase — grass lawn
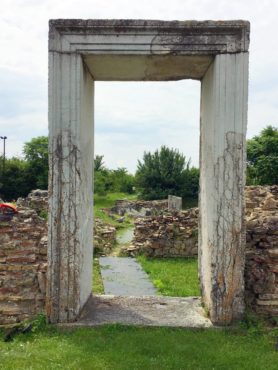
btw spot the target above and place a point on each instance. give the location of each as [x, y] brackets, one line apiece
[176, 277]
[129, 348]
[97, 280]
[108, 201]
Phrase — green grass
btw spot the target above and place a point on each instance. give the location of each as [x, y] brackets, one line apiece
[129, 348]
[176, 277]
[97, 280]
[108, 201]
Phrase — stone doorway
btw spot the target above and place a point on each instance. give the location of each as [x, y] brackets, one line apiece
[84, 51]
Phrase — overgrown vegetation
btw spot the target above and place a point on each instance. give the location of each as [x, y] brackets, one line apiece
[108, 201]
[176, 277]
[97, 280]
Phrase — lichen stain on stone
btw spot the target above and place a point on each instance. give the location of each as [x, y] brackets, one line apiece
[65, 240]
[229, 257]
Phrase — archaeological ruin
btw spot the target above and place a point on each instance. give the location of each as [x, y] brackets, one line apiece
[23, 254]
[54, 272]
[84, 51]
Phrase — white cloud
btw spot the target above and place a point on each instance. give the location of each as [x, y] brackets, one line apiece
[159, 111]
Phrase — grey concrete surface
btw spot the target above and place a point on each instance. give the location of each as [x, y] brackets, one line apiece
[123, 276]
[143, 311]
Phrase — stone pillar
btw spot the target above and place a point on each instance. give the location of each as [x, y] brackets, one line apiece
[174, 203]
[222, 180]
[70, 185]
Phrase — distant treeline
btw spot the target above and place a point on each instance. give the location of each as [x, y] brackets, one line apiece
[164, 172]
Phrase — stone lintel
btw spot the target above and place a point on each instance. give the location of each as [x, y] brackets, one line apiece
[137, 50]
[205, 37]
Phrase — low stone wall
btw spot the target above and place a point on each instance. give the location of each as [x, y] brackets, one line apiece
[261, 268]
[23, 264]
[166, 235]
[36, 199]
[139, 208]
[104, 237]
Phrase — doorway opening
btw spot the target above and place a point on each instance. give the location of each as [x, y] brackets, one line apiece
[132, 118]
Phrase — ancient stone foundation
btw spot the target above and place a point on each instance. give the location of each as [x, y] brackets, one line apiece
[23, 259]
[166, 235]
[139, 208]
[104, 237]
[36, 199]
[23, 264]
[261, 268]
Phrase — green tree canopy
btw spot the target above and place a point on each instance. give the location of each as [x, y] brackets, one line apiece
[36, 155]
[16, 181]
[99, 163]
[165, 172]
[262, 158]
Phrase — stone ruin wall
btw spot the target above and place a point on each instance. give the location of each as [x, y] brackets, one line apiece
[104, 237]
[23, 258]
[23, 265]
[261, 268]
[137, 208]
[176, 235]
[169, 234]
[23, 252]
[37, 200]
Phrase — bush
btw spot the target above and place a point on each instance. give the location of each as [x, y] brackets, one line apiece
[262, 158]
[166, 172]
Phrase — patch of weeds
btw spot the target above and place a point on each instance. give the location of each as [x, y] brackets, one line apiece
[158, 284]
[206, 309]
[39, 324]
[43, 214]
[97, 279]
[123, 253]
[252, 323]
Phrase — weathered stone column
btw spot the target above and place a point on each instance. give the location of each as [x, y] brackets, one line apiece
[70, 183]
[222, 180]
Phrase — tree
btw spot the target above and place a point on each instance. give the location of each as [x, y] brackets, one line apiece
[36, 155]
[162, 173]
[16, 181]
[122, 181]
[262, 158]
[99, 163]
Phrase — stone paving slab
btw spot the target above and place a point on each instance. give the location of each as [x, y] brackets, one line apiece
[143, 311]
[123, 276]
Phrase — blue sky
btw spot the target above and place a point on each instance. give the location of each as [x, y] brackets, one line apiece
[133, 117]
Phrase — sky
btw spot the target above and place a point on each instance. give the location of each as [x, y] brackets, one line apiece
[130, 117]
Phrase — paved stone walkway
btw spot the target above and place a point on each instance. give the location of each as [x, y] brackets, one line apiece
[123, 276]
[143, 311]
[132, 301]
